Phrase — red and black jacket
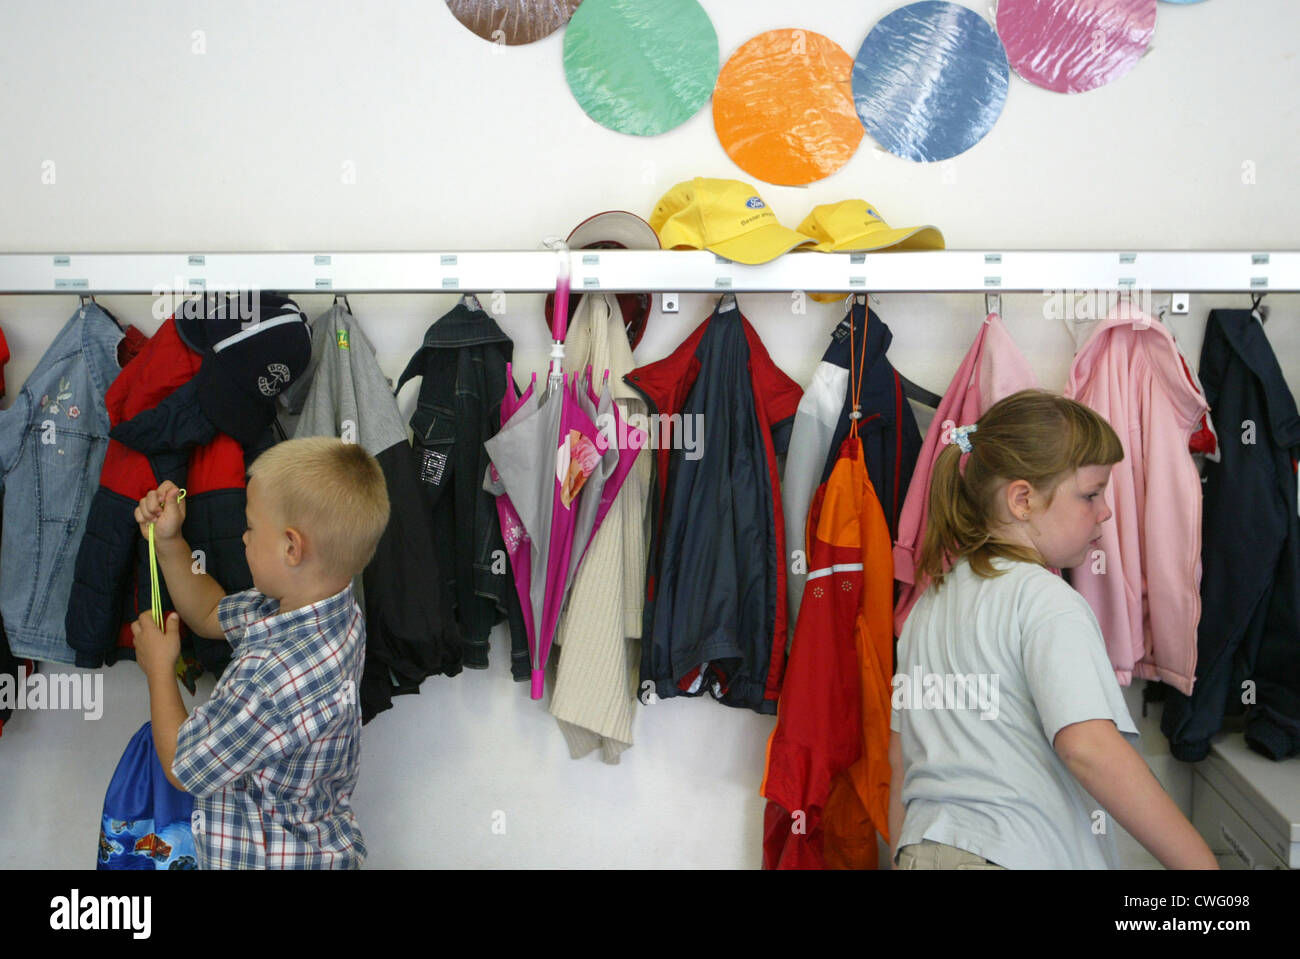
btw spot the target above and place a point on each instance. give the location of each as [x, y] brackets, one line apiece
[715, 611]
[159, 432]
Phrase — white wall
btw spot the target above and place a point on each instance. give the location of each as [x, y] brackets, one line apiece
[458, 144]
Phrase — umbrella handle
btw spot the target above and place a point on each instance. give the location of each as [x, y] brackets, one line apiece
[539, 680]
[560, 314]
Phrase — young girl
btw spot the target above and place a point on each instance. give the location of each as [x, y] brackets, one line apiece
[1009, 745]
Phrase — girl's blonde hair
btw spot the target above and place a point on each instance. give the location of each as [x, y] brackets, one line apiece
[334, 492]
[1034, 435]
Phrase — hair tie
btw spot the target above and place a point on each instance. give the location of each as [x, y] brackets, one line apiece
[961, 436]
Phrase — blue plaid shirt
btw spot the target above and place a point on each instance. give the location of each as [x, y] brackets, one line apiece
[272, 757]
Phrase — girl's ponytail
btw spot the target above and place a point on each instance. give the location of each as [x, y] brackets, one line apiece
[954, 520]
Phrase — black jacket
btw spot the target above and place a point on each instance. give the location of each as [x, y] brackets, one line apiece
[1249, 633]
[463, 365]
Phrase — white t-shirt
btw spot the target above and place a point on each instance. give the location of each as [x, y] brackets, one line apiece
[989, 670]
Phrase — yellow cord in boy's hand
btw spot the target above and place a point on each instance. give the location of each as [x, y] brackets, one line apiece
[156, 504]
[156, 649]
[163, 507]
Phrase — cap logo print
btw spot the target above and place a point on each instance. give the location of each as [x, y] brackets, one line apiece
[754, 203]
[278, 373]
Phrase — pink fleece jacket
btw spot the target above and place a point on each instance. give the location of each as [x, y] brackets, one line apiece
[993, 368]
[1144, 581]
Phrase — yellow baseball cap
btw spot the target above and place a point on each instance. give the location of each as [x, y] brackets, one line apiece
[855, 226]
[725, 216]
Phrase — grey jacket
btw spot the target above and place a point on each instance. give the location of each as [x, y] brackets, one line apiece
[411, 633]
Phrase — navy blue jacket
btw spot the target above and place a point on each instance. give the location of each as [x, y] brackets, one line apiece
[715, 597]
[891, 440]
[1250, 553]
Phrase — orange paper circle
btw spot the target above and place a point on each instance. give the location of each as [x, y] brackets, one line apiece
[783, 107]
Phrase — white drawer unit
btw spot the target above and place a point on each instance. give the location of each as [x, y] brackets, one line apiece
[1247, 807]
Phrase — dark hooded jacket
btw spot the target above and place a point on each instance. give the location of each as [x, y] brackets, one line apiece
[463, 365]
[1248, 638]
[715, 599]
[891, 440]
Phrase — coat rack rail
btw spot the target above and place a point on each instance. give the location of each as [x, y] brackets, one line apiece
[675, 271]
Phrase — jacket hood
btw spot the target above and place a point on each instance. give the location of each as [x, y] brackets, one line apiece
[878, 338]
[1127, 333]
[589, 340]
[1246, 338]
[464, 327]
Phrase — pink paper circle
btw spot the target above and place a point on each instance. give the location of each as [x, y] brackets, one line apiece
[1071, 46]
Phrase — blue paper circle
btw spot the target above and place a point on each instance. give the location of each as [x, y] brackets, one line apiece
[930, 80]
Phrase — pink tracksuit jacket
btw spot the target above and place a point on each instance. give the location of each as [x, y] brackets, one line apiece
[993, 368]
[1144, 581]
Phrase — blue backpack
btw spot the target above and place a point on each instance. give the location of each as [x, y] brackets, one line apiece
[146, 821]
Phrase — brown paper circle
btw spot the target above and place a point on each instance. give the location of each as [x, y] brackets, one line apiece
[513, 22]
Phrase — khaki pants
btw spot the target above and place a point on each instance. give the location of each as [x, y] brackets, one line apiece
[928, 854]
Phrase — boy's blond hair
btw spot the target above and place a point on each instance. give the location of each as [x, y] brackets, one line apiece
[333, 492]
[1034, 435]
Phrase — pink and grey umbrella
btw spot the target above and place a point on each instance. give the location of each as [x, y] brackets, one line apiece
[543, 457]
[555, 474]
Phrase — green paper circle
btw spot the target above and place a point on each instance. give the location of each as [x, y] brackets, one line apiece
[641, 66]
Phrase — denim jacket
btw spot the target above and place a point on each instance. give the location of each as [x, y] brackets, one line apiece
[52, 445]
[463, 365]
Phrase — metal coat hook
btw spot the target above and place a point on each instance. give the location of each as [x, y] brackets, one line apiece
[993, 303]
[1257, 309]
[344, 297]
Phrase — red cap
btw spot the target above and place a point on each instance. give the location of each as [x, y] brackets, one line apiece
[613, 230]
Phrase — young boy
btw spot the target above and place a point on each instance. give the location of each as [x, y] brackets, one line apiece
[272, 757]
